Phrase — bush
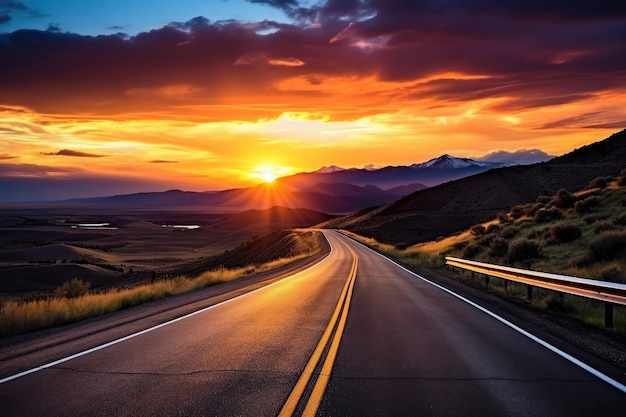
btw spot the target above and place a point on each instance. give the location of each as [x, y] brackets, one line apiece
[540, 234]
[563, 233]
[612, 273]
[608, 245]
[599, 182]
[472, 250]
[523, 250]
[547, 214]
[543, 199]
[485, 240]
[401, 245]
[493, 228]
[556, 303]
[509, 232]
[517, 212]
[478, 230]
[620, 220]
[504, 217]
[604, 226]
[499, 247]
[585, 206]
[73, 288]
[563, 199]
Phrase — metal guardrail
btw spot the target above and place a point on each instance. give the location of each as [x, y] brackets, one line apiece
[609, 292]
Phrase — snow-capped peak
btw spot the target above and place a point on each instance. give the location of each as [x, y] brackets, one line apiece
[329, 169]
[448, 161]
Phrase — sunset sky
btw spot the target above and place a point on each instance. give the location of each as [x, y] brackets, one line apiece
[118, 96]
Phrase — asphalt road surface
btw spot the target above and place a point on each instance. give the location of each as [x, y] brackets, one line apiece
[354, 335]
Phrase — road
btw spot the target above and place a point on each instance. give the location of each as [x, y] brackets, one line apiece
[355, 335]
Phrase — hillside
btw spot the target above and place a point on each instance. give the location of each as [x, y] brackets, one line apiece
[454, 206]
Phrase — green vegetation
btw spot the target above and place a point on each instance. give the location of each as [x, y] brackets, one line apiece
[73, 301]
[580, 234]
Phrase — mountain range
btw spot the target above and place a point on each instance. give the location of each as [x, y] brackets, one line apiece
[454, 206]
[330, 189]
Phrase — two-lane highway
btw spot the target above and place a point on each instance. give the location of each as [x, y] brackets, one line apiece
[354, 335]
[241, 357]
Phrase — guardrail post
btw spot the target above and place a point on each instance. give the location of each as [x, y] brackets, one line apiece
[608, 315]
[529, 292]
[486, 280]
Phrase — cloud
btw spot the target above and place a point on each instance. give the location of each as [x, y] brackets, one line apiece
[32, 170]
[68, 152]
[521, 54]
[4, 157]
[162, 161]
[10, 7]
[522, 156]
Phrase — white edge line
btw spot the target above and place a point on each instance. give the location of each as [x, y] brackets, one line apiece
[542, 342]
[158, 326]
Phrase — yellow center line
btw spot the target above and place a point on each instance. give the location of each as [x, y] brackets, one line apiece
[320, 386]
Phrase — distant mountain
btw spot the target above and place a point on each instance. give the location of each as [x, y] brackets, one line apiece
[330, 189]
[434, 172]
[447, 161]
[455, 206]
[329, 169]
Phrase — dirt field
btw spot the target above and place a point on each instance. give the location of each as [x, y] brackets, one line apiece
[42, 247]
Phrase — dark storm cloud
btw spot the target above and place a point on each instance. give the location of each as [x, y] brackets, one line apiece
[530, 53]
[69, 152]
[9, 7]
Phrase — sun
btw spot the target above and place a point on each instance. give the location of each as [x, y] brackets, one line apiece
[268, 174]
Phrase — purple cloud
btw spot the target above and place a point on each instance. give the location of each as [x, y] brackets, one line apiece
[69, 152]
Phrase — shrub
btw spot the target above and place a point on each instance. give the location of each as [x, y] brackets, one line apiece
[563, 233]
[599, 182]
[517, 212]
[478, 230]
[73, 288]
[523, 250]
[604, 226]
[509, 232]
[585, 205]
[504, 217]
[556, 303]
[543, 199]
[620, 220]
[540, 234]
[611, 273]
[608, 245]
[472, 250]
[499, 247]
[485, 240]
[401, 245]
[547, 214]
[493, 228]
[563, 199]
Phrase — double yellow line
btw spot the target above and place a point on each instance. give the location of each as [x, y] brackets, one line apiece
[322, 380]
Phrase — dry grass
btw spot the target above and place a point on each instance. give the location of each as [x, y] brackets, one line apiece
[18, 316]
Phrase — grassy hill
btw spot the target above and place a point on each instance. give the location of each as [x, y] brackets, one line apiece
[579, 234]
[455, 206]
